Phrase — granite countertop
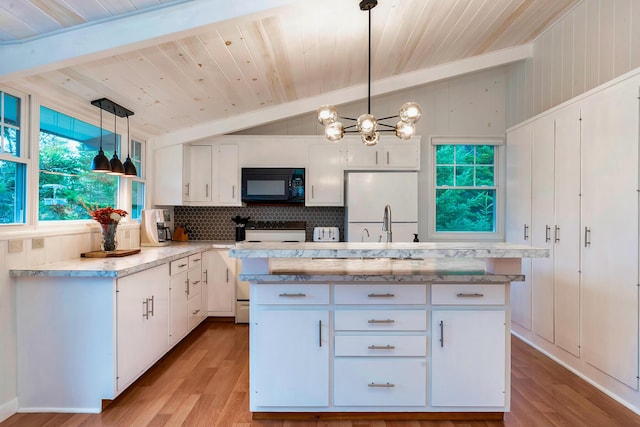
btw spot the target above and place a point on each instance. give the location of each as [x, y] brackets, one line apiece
[380, 269]
[149, 257]
[385, 250]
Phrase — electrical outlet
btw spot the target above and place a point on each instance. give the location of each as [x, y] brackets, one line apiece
[37, 243]
[15, 245]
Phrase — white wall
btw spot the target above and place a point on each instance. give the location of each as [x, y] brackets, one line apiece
[595, 42]
[472, 105]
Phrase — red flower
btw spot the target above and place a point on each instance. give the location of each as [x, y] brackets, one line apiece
[108, 215]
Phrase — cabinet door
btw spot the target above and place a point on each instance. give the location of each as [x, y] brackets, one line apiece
[402, 155]
[142, 307]
[468, 353]
[360, 156]
[324, 175]
[198, 173]
[289, 358]
[518, 218]
[178, 321]
[566, 232]
[167, 173]
[542, 226]
[610, 225]
[228, 175]
[220, 274]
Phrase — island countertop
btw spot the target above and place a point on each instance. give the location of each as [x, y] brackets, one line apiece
[493, 250]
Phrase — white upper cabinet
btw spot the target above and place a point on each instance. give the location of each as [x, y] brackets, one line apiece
[227, 175]
[198, 173]
[393, 154]
[324, 175]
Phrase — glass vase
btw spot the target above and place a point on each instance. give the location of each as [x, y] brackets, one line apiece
[109, 243]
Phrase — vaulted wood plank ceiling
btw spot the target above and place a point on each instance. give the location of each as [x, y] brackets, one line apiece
[225, 69]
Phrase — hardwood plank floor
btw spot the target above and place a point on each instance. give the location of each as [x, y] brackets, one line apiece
[204, 381]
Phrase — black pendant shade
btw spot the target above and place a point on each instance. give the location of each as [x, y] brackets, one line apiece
[100, 162]
[129, 167]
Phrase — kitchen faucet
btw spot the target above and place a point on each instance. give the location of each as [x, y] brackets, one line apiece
[362, 237]
[386, 223]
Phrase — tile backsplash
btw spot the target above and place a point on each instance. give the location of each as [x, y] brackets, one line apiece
[214, 223]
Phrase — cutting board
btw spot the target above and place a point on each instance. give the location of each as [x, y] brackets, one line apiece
[116, 253]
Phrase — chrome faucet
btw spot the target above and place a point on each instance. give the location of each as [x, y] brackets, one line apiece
[386, 223]
[362, 237]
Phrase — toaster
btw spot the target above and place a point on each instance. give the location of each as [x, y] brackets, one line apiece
[326, 234]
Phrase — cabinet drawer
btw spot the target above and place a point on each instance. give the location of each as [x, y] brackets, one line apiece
[380, 345]
[195, 284]
[380, 320]
[467, 294]
[380, 382]
[291, 294]
[194, 308]
[195, 261]
[380, 294]
[179, 266]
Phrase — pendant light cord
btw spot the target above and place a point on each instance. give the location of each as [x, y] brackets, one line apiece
[369, 67]
[115, 134]
[128, 139]
[100, 127]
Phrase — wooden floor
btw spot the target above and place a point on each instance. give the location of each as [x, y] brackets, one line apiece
[204, 382]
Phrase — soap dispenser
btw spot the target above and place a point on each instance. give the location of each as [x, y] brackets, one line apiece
[415, 237]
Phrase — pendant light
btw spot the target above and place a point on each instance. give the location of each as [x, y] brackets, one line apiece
[100, 162]
[116, 164]
[129, 167]
[367, 125]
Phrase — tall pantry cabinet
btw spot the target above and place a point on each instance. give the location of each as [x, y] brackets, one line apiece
[610, 231]
[584, 208]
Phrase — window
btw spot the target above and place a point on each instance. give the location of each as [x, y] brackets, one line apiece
[466, 186]
[137, 186]
[13, 168]
[66, 183]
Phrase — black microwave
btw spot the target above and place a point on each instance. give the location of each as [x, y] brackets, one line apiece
[273, 185]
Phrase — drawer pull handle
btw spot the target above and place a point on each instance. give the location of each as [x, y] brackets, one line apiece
[381, 321]
[385, 385]
[381, 347]
[387, 295]
[182, 265]
[196, 312]
[473, 295]
[195, 282]
[293, 295]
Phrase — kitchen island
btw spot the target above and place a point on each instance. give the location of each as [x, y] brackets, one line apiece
[409, 330]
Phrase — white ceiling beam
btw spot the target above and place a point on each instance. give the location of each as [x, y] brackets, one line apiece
[109, 37]
[354, 93]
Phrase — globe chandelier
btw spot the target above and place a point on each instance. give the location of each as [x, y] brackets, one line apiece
[367, 125]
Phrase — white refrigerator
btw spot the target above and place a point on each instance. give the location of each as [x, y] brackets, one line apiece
[367, 194]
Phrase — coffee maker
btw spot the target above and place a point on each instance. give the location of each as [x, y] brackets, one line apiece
[153, 231]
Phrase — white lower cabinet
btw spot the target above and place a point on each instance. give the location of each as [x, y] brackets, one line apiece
[468, 358]
[376, 347]
[142, 302]
[178, 319]
[219, 272]
[290, 366]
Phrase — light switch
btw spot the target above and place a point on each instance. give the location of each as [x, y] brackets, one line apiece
[37, 243]
[15, 246]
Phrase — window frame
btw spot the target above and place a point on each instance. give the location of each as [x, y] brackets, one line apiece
[24, 157]
[499, 173]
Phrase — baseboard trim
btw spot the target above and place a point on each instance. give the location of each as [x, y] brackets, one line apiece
[8, 408]
[391, 416]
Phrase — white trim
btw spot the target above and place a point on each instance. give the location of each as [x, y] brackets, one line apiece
[8, 408]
